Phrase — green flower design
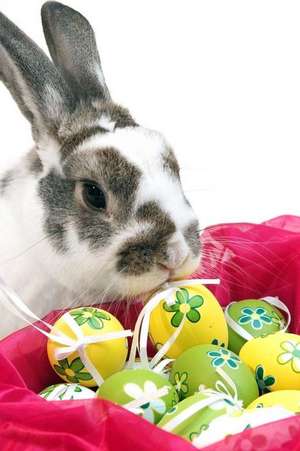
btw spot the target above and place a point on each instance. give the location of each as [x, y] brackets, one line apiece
[290, 355]
[72, 372]
[263, 382]
[181, 384]
[194, 435]
[276, 319]
[184, 305]
[47, 391]
[94, 317]
[256, 317]
[224, 357]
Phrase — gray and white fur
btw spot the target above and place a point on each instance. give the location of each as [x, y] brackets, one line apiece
[56, 250]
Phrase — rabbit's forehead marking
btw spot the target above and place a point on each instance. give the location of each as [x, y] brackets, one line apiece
[146, 149]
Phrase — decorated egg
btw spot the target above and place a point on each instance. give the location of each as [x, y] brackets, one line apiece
[196, 312]
[275, 359]
[289, 399]
[91, 345]
[193, 415]
[235, 422]
[212, 366]
[250, 319]
[60, 392]
[142, 391]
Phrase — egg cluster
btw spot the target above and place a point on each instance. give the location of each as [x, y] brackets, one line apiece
[215, 372]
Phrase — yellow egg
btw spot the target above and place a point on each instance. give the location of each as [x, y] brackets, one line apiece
[276, 359]
[202, 316]
[106, 357]
[290, 399]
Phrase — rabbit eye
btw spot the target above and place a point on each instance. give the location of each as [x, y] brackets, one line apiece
[93, 196]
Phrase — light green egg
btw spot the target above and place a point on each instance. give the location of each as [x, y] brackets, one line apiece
[251, 318]
[209, 365]
[190, 425]
[142, 385]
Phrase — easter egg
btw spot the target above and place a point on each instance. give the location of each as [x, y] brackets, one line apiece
[289, 399]
[60, 392]
[193, 415]
[236, 422]
[251, 318]
[197, 311]
[275, 359]
[141, 391]
[104, 357]
[210, 365]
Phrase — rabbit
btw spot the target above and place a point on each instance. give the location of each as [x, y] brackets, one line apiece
[96, 209]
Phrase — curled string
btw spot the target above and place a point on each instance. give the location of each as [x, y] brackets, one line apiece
[141, 330]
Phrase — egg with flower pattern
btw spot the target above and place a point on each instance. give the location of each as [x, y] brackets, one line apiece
[278, 356]
[213, 366]
[142, 391]
[192, 416]
[289, 399]
[251, 318]
[61, 392]
[193, 309]
[87, 322]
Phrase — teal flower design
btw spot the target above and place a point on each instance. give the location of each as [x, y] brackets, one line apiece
[224, 357]
[93, 316]
[256, 317]
[72, 371]
[263, 382]
[184, 305]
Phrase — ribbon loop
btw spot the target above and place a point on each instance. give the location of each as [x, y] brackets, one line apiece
[70, 345]
[141, 330]
[247, 335]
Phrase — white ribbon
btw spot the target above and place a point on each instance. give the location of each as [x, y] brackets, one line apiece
[136, 403]
[17, 306]
[247, 335]
[141, 330]
[220, 387]
[221, 393]
[190, 411]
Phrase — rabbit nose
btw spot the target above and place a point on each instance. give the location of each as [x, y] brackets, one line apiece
[177, 252]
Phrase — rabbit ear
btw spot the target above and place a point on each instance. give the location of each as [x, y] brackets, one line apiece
[73, 48]
[34, 82]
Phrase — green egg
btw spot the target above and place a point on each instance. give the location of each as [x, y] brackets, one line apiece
[129, 385]
[212, 365]
[256, 317]
[199, 420]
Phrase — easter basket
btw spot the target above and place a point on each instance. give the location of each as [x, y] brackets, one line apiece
[251, 260]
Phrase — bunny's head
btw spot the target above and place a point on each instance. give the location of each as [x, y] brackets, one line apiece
[109, 192]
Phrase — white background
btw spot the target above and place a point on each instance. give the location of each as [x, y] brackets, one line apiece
[221, 79]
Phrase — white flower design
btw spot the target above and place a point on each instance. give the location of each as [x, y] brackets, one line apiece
[291, 354]
[150, 394]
